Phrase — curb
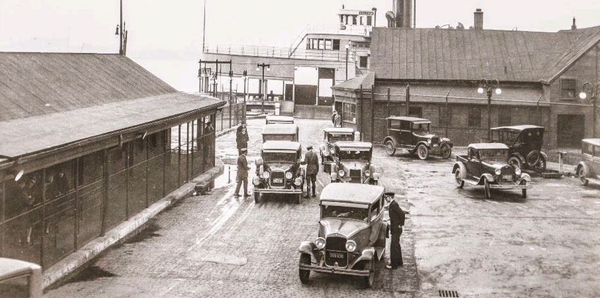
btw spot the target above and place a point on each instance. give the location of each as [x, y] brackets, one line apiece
[91, 250]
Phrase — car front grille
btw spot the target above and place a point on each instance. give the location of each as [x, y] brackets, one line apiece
[335, 243]
[355, 175]
[335, 251]
[435, 140]
[277, 178]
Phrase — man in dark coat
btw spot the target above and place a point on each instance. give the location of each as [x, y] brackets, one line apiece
[242, 174]
[396, 222]
[312, 169]
[241, 137]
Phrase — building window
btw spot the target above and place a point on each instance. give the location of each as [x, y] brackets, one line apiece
[361, 20]
[321, 44]
[475, 117]
[349, 112]
[568, 88]
[347, 20]
[353, 20]
[369, 20]
[364, 62]
[504, 116]
[415, 112]
[445, 116]
[328, 44]
[336, 44]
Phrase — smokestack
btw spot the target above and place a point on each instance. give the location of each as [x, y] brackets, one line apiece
[574, 26]
[407, 14]
[478, 19]
[398, 12]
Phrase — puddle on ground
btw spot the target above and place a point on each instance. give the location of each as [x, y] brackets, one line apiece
[91, 273]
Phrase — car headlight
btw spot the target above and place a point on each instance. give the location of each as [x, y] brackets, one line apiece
[256, 181]
[320, 243]
[288, 175]
[367, 173]
[498, 171]
[518, 171]
[266, 175]
[429, 142]
[350, 246]
[298, 181]
[342, 173]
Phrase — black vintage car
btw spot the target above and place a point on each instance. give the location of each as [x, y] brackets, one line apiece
[278, 170]
[589, 168]
[485, 164]
[352, 163]
[524, 145]
[331, 135]
[414, 135]
[280, 132]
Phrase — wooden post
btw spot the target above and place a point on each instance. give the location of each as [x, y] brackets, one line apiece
[389, 97]
[447, 114]
[407, 100]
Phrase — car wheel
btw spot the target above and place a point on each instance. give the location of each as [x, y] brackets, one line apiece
[581, 174]
[532, 158]
[304, 274]
[514, 162]
[298, 198]
[486, 188]
[446, 151]
[458, 180]
[256, 197]
[368, 280]
[540, 166]
[524, 191]
[390, 149]
[422, 152]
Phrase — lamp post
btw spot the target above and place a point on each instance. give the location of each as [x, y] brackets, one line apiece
[347, 50]
[487, 86]
[264, 84]
[245, 76]
[230, 95]
[593, 90]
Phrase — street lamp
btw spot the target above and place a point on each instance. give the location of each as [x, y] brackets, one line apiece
[245, 76]
[487, 86]
[230, 94]
[593, 89]
[264, 91]
[347, 50]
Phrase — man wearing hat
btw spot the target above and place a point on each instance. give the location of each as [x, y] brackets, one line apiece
[242, 173]
[312, 169]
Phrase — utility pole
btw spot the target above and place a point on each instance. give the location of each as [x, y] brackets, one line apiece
[121, 30]
[217, 71]
[264, 84]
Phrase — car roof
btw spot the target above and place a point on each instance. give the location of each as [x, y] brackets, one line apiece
[410, 119]
[491, 146]
[279, 118]
[595, 142]
[518, 127]
[339, 130]
[354, 145]
[10, 268]
[351, 193]
[280, 145]
[280, 129]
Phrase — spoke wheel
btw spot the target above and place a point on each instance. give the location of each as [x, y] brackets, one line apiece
[581, 174]
[446, 151]
[390, 149]
[487, 189]
[540, 166]
[458, 180]
[422, 152]
[304, 274]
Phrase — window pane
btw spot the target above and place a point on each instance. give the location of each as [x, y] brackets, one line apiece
[568, 88]
[369, 19]
[328, 45]
[336, 44]
[364, 60]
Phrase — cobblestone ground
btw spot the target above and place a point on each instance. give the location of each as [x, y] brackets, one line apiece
[547, 245]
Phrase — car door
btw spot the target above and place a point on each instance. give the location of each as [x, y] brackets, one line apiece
[406, 135]
[473, 164]
[595, 164]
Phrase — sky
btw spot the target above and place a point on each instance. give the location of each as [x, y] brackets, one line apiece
[165, 36]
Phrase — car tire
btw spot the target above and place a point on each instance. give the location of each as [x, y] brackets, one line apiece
[422, 152]
[390, 149]
[514, 161]
[524, 191]
[304, 274]
[458, 180]
[446, 151]
[540, 166]
[256, 197]
[487, 189]
[581, 173]
[298, 199]
[368, 280]
[532, 158]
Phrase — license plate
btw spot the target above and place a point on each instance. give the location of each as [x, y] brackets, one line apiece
[435, 145]
[507, 177]
[336, 255]
[278, 180]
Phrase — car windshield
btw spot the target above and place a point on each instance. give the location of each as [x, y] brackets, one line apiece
[505, 137]
[493, 155]
[421, 129]
[345, 212]
[270, 157]
[349, 153]
[340, 137]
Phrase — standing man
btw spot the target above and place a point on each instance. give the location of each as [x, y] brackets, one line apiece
[312, 169]
[242, 173]
[241, 138]
[396, 222]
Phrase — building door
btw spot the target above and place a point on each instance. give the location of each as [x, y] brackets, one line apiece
[570, 130]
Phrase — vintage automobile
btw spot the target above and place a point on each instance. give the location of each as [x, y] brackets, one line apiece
[331, 135]
[280, 132]
[414, 135]
[485, 164]
[589, 168]
[352, 233]
[524, 145]
[352, 163]
[278, 170]
[276, 119]
[20, 279]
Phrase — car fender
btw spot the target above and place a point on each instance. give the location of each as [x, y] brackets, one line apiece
[526, 177]
[307, 247]
[446, 141]
[368, 254]
[391, 138]
[422, 142]
[463, 169]
[486, 176]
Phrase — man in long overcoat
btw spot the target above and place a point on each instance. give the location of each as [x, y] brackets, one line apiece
[241, 137]
[242, 173]
[312, 169]
[396, 222]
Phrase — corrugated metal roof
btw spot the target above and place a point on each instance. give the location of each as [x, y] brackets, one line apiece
[34, 134]
[33, 84]
[442, 54]
[366, 81]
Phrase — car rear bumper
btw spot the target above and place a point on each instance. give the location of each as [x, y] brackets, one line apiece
[335, 270]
